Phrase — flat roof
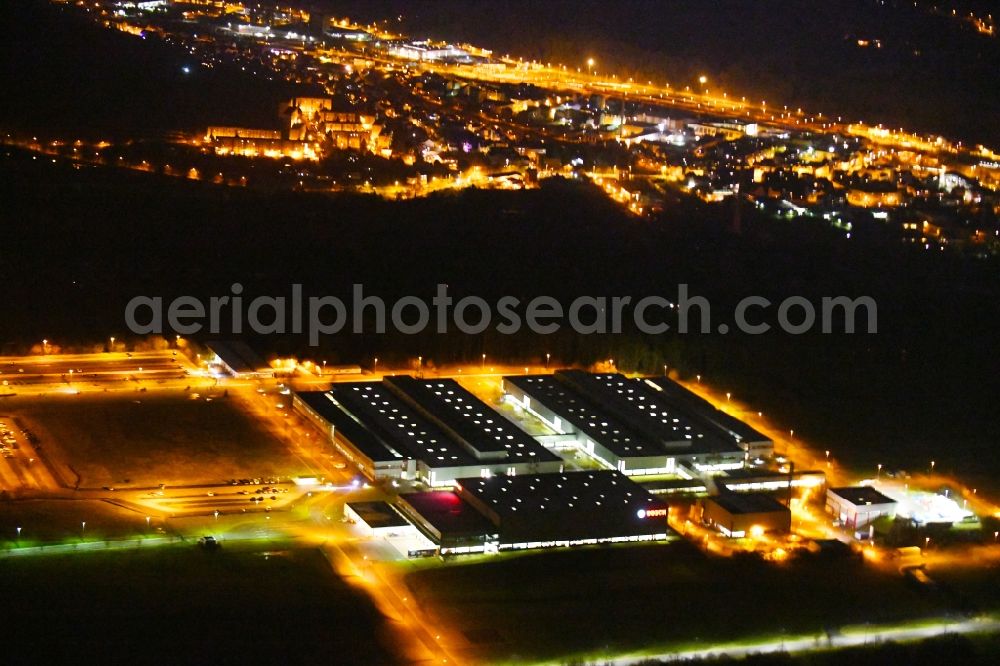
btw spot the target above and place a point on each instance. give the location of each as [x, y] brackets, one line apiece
[326, 405]
[648, 409]
[861, 495]
[392, 420]
[672, 391]
[568, 492]
[237, 356]
[378, 514]
[626, 416]
[586, 417]
[484, 430]
[738, 503]
[673, 485]
[750, 475]
[448, 513]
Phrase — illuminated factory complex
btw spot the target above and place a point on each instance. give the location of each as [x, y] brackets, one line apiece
[637, 426]
[473, 480]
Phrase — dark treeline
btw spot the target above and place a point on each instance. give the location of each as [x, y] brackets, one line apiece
[65, 76]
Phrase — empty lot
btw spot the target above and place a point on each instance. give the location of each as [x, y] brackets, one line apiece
[145, 439]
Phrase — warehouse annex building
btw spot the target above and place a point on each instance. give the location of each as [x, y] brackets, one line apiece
[236, 359]
[431, 430]
[637, 426]
[858, 506]
[739, 515]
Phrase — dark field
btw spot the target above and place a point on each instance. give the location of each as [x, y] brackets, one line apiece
[70, 78]
[153, 438]
[238, 605]
[59, 521]
[649, 598]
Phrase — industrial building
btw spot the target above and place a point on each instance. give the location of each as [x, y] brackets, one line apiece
[740, 515]
[426, 52]
[568, 509]
[756, 480]
[376, 519]
[371, 455]
[450, 522]
[757, 445]
[238, 360]
[380, 520]
[636, 425]
[431, 430]
[538, 511]
[858, 506]
[737, 481]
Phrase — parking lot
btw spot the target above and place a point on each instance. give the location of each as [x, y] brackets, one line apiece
[20, 465]
[147, 439]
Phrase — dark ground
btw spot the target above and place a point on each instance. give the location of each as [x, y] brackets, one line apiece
[535, 607]
[181, 604]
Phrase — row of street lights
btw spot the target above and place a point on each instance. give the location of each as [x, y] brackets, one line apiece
[878, 469]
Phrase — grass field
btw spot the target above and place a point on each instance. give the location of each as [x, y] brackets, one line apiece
[153, 438]
[604, 601]
[60, 521]
[180, 604]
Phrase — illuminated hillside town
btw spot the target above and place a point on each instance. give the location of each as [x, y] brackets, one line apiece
[403, 117]
[170, 496]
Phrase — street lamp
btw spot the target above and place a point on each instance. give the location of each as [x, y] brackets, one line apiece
[547, 357]
[728, 396]
[664, 369]
[702, 79]
[878, 472]
[375, 365]
[83, 529]
[112, 347]
[590, 65]
[18, 535]
[484, 362]
[932, 466]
